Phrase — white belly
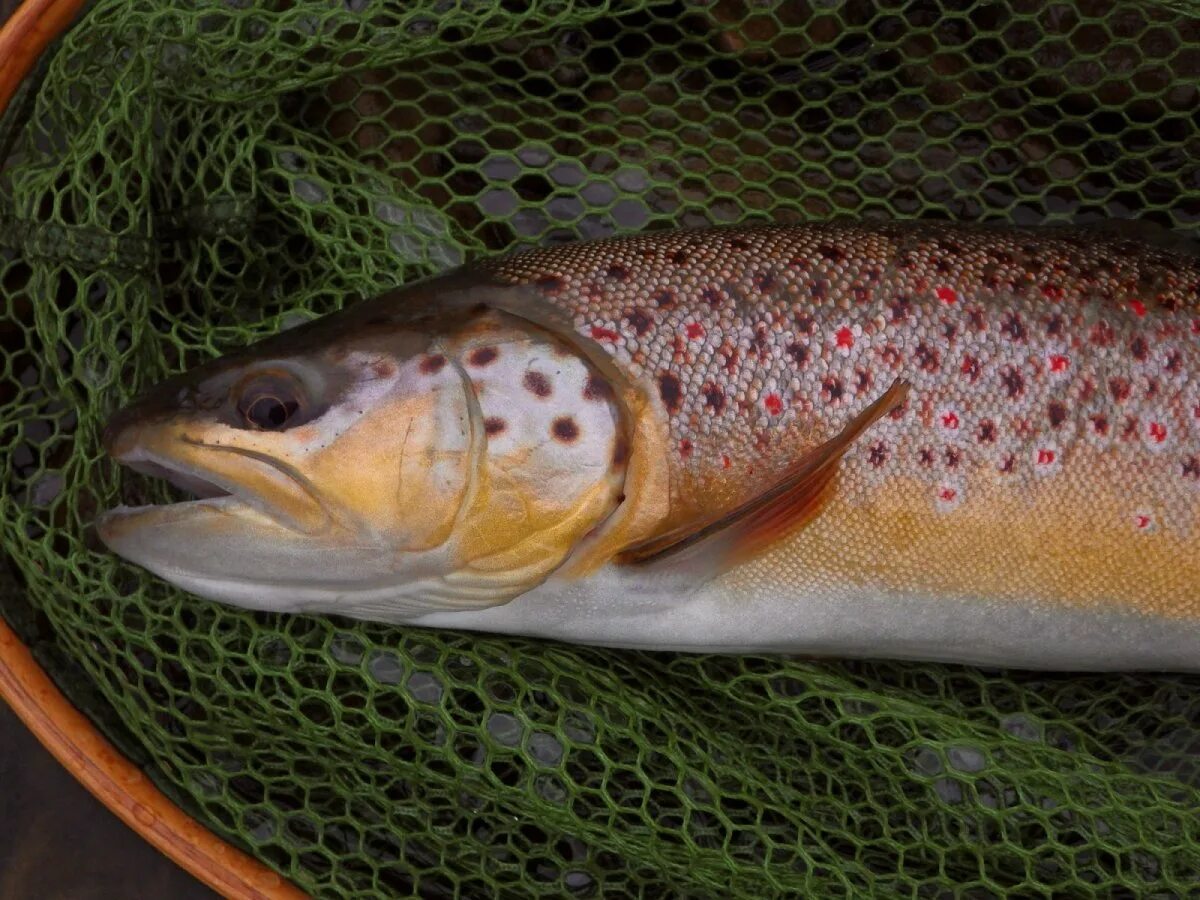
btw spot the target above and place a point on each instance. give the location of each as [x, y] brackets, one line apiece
[627, 607]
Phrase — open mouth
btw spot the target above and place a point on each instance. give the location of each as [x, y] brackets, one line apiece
[193, 486]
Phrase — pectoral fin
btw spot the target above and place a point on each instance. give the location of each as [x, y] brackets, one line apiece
[787, 506]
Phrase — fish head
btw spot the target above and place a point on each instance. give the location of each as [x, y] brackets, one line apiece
[379, 468]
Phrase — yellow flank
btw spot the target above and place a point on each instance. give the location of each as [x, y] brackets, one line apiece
[1079, 546]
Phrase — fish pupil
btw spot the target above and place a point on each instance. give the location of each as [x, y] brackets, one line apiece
[270, 413]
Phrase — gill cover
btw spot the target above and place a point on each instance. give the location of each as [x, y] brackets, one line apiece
[548, 461]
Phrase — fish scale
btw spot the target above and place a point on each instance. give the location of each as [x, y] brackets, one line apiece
[1043, 366]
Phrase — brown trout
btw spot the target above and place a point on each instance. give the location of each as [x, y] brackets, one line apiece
[920, 441]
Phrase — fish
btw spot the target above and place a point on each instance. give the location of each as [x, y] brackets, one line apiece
[925, 441]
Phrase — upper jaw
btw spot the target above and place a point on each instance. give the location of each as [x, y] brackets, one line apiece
[221, 476]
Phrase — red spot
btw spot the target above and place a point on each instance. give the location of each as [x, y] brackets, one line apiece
[604, 334]
[1141, 521]
[774, 404]
[1058, 362]
[948, 494]
[1046, 457]
[695, 331]
[725, 461]
[950, 420]
[1138, 307]
[845, 337]
[685, 448]
[1158, 432]
[947, 295]
[1053, 292]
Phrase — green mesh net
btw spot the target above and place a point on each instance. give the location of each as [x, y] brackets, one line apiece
[182, 178]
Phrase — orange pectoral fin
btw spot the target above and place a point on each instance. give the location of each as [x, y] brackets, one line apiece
[790, 504]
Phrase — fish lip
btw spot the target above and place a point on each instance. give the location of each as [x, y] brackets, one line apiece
[226, 493]
[178, 473]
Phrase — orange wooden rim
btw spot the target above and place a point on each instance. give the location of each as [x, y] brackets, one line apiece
[61, 728]
[122, 787]
[24, 36]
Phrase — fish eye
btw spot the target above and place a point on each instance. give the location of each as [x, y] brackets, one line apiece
[269, 402]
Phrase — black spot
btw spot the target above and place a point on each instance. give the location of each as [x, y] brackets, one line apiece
[953, 457]
[494, 425]
[1013, 381]
[819, 289]
[799, 354]
[618, 271]
[665, 299]
[1009, 463]
[1120, 389]
[1191, 468]
[1100, 424]
[550, 283]
[1056, 325]
[986, 432]
[597, 388]
[806, 324]
[679, 257]
[928, 358]
[863, 379]
[670, 391]
[638, 320]
[901, 309]
[1102, 334]
[564, 429]
[1013, 327]
[739, 244]
[831, 253]
[714, 398]
[879, 454]
[537, 383]
[925, 457]
[431, 365]
[832, 388]
[1174, 361]
[763, 281]
[971, 368]
[1139, 348]
[483, 356]
[1056, 411]
[711, 296]
[761, 337]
